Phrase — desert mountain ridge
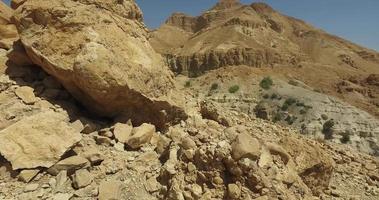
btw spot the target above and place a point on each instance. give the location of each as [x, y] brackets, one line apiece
[90, 110]
[258, 36]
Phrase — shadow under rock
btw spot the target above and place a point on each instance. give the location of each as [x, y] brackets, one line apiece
[46, 87]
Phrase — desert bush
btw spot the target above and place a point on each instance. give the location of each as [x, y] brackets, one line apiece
[328, 129]
[266, 96]
[324, 117]
[234, 89]
[187, 84]
[266, 83]
[274, 96]
[285, 107]
[345, 138]
[214, 86]
[290, 101]
[303, 111]
[277, 117]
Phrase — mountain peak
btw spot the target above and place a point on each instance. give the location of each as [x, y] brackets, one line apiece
[226, 4]
[261, 7]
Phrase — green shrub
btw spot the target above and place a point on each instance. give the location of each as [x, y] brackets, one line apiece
[187, 84]
[290, 120]
[277, 117]
[266, 83]
[345, 138]
[324, 117]
[274, 96]
[234, 89]
[214, 86]
[290, 101]
[285, 107]
[327, 129]
[300, 104]
[303, 111]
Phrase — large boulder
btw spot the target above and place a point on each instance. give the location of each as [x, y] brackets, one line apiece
[38, 141]
[99, 51]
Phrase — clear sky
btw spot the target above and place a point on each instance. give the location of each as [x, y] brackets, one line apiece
[355, 20]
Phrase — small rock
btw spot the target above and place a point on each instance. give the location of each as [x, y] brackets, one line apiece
[31, 187]
[110, 190]
[106, 133]
[163, 144]
[122, 132]
[188, 143]
[245, 146]
[69, 164]
[28, 175]
[81, 178]
[89, 126]
[78, 126]
[61, 180]
[234, 191]
[62, 196]
[152, 185]
[94, 157]
[141, 135]
[26, 94]
[101, 140]
[196, 191]
[119, 146]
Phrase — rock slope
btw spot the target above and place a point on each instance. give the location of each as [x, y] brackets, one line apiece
[51, 147]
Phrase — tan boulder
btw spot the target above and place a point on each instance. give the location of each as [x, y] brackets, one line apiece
[245, 146]
[122, 132]
[32, 142]
[141, 135]
[28, 175]
[110, 190]
[82, 178]
[69, 164]
[103, 58]
[26, 94]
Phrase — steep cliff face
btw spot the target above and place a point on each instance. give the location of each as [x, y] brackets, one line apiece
[258, 36]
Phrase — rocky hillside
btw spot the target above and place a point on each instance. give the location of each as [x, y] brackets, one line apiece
[256, 35]
[88, 110]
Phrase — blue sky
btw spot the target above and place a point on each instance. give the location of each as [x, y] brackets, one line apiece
[355, 20]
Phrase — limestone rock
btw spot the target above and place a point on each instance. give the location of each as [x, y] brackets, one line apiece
[26, 94]
[32, 142]
[122, 132]
[103, 59]
[31, 187]
[234, 191]
[82, 178]
[28, 175]
[245, 146]
[69, 164]
[141, 135]
[110, 190]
